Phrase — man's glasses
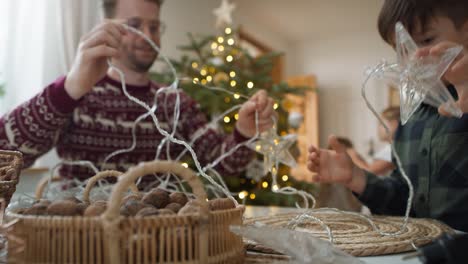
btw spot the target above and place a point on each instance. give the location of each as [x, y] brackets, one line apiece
[155, 27]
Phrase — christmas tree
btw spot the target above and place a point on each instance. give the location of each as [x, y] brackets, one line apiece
[220, 61]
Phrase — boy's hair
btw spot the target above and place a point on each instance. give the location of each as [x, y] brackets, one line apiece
[109, 6]
[391, 113]
[418, 12]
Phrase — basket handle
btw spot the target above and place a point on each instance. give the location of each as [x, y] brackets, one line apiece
[43, 183]
[103, 174]
[151, 167]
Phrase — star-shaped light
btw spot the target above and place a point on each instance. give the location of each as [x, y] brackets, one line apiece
[419, 79]
[275, 149]
[224, 14]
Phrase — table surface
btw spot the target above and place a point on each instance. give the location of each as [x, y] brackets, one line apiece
[256, 211]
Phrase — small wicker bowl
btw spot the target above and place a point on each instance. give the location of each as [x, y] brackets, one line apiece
[11, 163]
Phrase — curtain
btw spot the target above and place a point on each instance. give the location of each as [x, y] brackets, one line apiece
[38, 42]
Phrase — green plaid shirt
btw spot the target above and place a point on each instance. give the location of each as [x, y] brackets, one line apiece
[434, 153]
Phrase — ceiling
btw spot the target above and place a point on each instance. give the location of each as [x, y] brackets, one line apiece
[298, 20]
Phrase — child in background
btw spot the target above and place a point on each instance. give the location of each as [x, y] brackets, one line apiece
[382, 161]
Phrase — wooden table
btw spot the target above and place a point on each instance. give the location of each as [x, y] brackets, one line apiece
[256, 211]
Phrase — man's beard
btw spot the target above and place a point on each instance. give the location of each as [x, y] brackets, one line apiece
[139, 65]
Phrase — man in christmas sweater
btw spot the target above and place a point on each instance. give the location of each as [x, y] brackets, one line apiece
[86, 115]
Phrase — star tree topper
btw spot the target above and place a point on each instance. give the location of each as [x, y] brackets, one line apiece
[275, 149]
[419, 79]
[224, 14]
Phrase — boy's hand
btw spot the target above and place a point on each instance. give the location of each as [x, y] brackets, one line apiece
[90, 64]
[457, 73]
[335, 166]
[264, 105]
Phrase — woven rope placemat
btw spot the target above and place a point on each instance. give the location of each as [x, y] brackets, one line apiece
[356, 236]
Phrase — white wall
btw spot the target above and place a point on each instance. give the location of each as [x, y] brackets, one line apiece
[339, 61]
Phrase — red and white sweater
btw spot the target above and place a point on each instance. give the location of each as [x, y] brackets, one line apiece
[101, 122]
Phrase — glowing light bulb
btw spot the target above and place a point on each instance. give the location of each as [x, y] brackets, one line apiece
[232, 74]
[194, 65]
[275, 106]
[209, 78]
[243, 194]
[236, 96]
[221, 48]
[250, 85]
[185, 165]
[236, 116]
[252, 196]
[214, 45]
[275, 187]
[203, 72]
[285, 178]
[196, 80]
[228, 30]
[265, 185]
[230, 42]
[233, 83]
[220, 39]
[229, 58]
[227, 119]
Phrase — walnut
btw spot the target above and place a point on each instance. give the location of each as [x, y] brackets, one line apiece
[81, 207]
[131, 208]
[43, 202]
[63, 208]
[72, 198]
[175, 207]
[95, 209]
[147, 211]
[37, 209]
[192, 207]
[131, 197]
[165, 212]
[157, 198]
[179, 198]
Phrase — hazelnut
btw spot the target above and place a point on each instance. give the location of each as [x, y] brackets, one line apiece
[179, 198]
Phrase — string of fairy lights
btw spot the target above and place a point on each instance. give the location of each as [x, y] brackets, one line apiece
[223, 48]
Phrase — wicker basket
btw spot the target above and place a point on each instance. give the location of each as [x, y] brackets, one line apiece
[11, 163]
[112, 238]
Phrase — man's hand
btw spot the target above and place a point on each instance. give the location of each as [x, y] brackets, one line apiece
[457, 73]
[335, 166]
[261, 103]
[90, 64]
